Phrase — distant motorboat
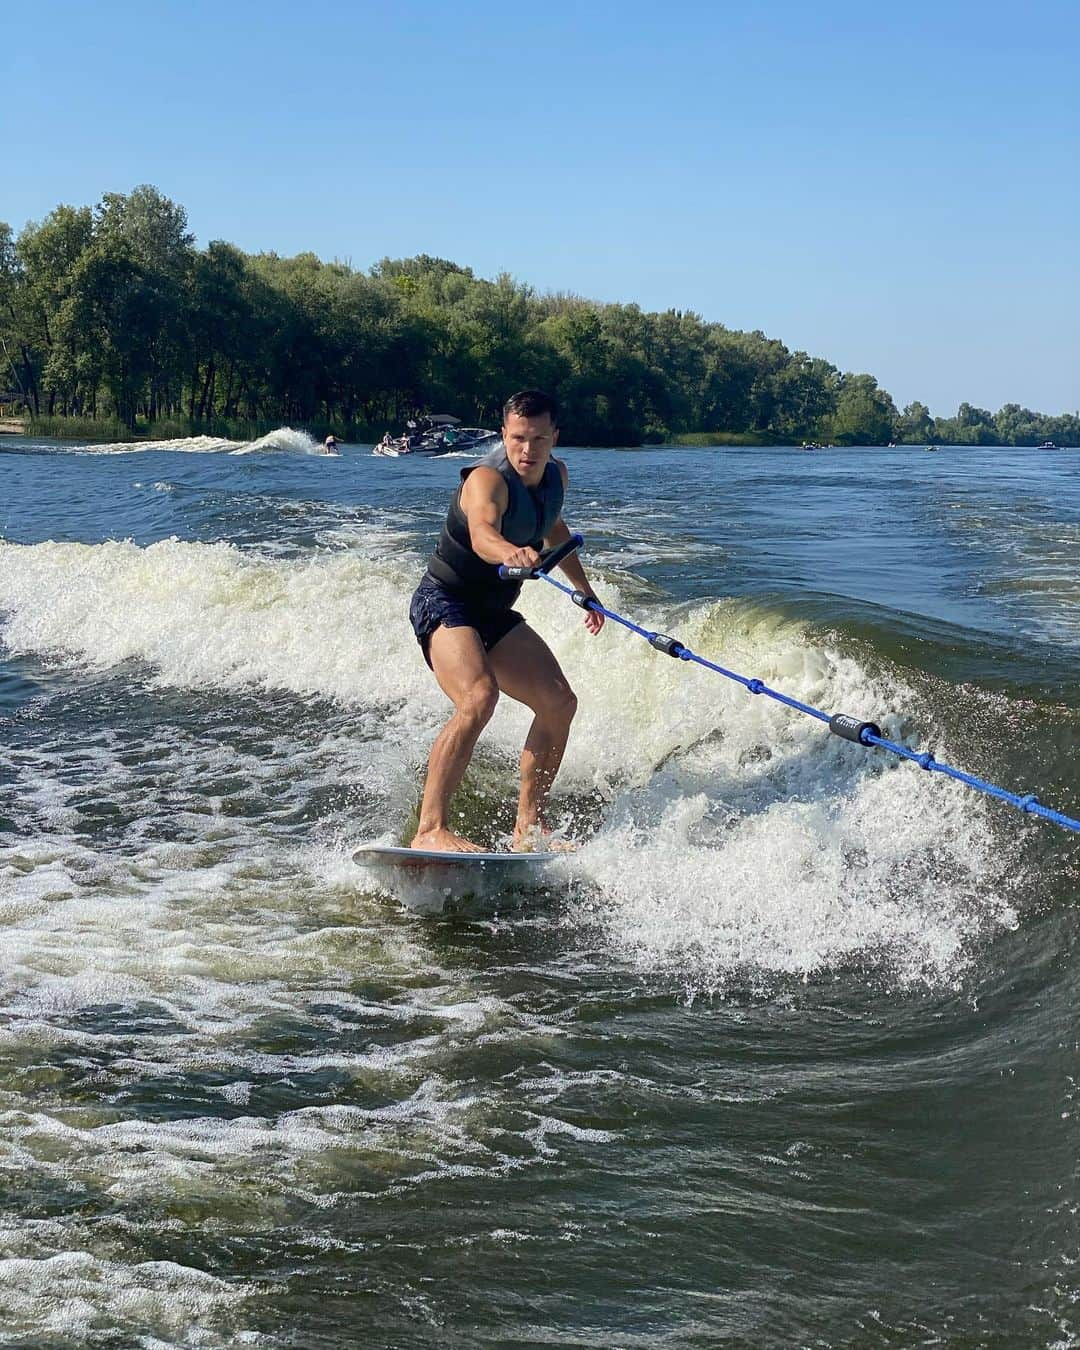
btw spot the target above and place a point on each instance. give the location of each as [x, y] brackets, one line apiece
[438, 434]
[1048, 445]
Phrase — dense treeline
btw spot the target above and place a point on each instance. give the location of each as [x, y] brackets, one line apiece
[111, 312]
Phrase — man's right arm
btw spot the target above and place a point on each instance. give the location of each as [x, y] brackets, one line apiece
[484, 499]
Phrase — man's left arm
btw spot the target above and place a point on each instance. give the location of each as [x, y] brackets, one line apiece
[571, 564]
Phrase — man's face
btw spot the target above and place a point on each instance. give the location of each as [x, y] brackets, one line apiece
[529, 442]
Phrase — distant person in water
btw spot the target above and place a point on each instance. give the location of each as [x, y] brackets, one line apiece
[508, 507]
[330, 445]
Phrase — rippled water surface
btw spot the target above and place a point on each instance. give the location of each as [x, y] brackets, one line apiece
[786, 1054]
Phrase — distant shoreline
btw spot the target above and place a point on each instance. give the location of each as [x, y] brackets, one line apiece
[108, 432]
[111, 314]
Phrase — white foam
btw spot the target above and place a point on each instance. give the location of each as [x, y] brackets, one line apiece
[244, 962]
[284, 440]
[742, 837]
[335, 624]
[76, 1294]
[737, 833]
[213, 933]
[195, 445]
[208, 615]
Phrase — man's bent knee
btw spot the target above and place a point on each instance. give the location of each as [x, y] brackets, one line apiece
[478, 703]
[558, 703]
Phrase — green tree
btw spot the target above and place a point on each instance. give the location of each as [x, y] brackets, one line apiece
[48, 255]
[105, 327]
[864, 414]
[113, 310]
[151, 233]
[11, 328]
[805, 392]
[221, 330]
[915, 426]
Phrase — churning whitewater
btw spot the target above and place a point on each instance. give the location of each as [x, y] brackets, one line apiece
[730, 834]
[248, 1097]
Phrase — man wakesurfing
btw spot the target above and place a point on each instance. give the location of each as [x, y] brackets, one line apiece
[507, 507]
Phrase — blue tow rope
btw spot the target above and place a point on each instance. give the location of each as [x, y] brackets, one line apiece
[840, 724]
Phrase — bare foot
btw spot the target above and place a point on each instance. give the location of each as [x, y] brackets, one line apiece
[537, 839]
[444, 840]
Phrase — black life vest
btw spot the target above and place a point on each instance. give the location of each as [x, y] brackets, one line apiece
[530, 514]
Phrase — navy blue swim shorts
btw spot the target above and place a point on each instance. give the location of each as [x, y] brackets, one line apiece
[433, 605]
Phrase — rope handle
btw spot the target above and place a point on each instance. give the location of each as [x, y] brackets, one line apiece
[547, 561]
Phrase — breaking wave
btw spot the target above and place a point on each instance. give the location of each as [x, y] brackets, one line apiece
[724, 832]
[284, 441]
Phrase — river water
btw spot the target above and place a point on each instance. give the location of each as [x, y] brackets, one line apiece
[786, 1055]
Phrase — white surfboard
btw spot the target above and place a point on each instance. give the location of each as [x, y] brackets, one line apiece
[386, 855]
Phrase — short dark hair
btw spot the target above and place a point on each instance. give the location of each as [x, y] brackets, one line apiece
[532, 403]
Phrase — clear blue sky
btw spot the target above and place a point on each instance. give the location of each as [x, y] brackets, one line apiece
[893, 187]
